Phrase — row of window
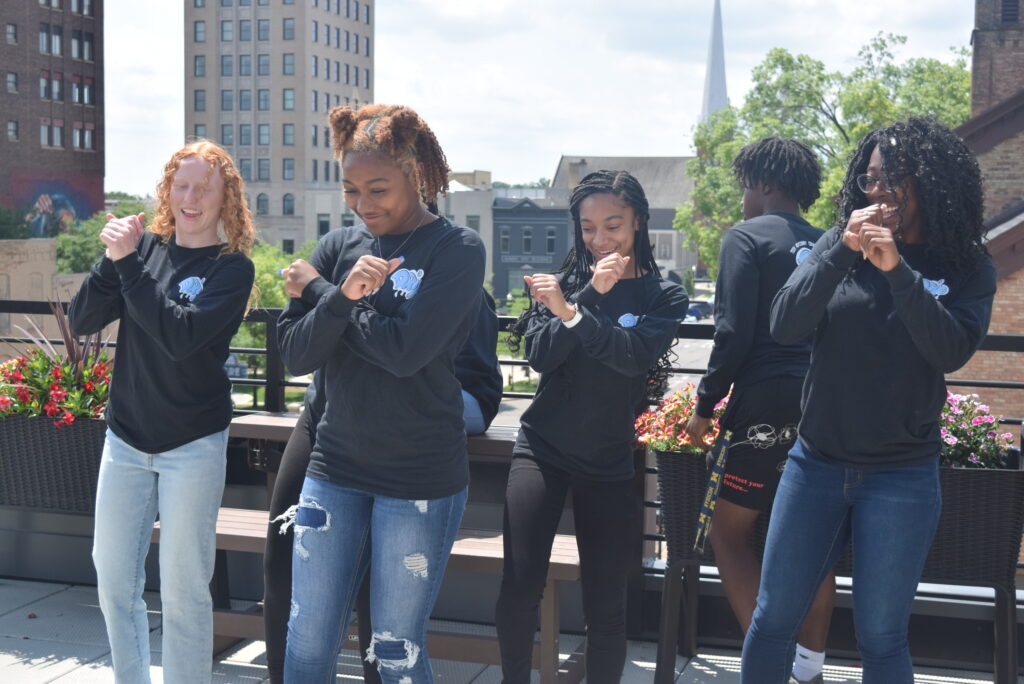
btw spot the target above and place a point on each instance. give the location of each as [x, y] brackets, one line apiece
[351, 39]
[241, 3]
[287, 204]
[505, 240]
[51, 41]
[51, 87]
[227, 30]
[227, 65]
[51, 134]
[352, 8]
[83, 7]
[245, 132]
[351, 72]
[245, 99]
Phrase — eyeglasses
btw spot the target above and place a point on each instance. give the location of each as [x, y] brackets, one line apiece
[868, 183]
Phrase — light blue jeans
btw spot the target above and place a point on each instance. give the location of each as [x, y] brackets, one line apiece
[337, 533]
[472, 414]
[890, 517]
[184, 486]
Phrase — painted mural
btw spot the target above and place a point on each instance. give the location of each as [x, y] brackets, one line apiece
[53, 206]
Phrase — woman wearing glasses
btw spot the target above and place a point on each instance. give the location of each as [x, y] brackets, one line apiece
[894, 298]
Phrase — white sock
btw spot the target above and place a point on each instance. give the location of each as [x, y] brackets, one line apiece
[808, 663]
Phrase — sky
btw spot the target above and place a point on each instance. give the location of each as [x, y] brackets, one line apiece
[511, 85]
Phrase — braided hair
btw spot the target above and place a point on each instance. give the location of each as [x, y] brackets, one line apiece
[398, 133]
[945, 175]
[577, 269]
[784, 164]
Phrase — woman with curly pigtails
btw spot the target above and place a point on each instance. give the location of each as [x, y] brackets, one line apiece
[382, 310]
[599, 332]
[895, 297]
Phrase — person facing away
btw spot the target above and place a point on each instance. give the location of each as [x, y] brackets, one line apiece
[894, 297]
[779, 178]
[386, 484]
[599, 333]
[179, 290]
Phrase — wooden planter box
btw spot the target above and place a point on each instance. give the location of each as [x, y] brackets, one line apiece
[44, 467]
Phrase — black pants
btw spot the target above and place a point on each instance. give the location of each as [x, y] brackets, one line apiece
[606, 514]
[277, 560]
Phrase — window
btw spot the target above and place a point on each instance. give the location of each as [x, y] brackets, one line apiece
[199, 101]
[327, 69]
[57, 135]
[323, 224]
[366, 14]
[337, 72]
[348, 76]
[245, 169]
[337, 38]
[263, 100]
[313, 100]
[355, 9]
[12, 131]
[199, 31]
[503, 232]
[366, 46]
[288, 246]
[44, 134]
[314, 131]
[348, 9]
[245, 65]
[263, 65]
[366, 78]
[263, 169]
[245, 100]
[527, 241]
[12, 39]
[288, 169]
[288, 99]
[44, 85]
[288, 29]
[473, 221]
[87, 11]
[355, 43]
[227, 65]
[348, 37]
[314, 30]
[315, 167]
[199, 131]
[244, 3]
[327, 170]
[327, 101]
[263, 134]
[227, 100]
[198, 66]
[89, 92]
[12, 82]
[227, 31]
[262, 203]
[227, 134]
[76, 90]
[288, 204]
[87, 47]
[76, 44]
[1010, 13]
[288, 64]
[245, 29]
[57, 40]
[355, 76]
[76, 135]
[57, 87]
[327, 137]
[337, 167]
[44, 39]
[262, 3]
[262, 29]
[225, 3]
[287, 134]
[314, 62]
[550, 247]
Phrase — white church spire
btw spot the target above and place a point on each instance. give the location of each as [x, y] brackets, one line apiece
[716, 97]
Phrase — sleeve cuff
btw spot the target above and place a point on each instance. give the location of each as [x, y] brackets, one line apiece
[129, 267]
[705, 407]
[571, 323]
[901, 278]
[314, 290]
[841, 256]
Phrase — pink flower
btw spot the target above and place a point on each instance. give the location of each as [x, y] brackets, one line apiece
[989, 419]
[978, 420]
[1006, 435]
[5, 402]
[943, 432]
[982, 408]
[951, 440]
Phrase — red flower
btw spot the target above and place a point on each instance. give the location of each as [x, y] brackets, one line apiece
[5, 402]
[89, 387]
[57, 373]
[51, 409]
[24, 396]
[68, 419]
[58, 394]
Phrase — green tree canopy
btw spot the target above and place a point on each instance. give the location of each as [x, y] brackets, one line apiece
[13, 225]
[795, 96]
[80, 248]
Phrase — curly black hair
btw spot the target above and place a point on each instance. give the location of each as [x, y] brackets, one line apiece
[945, 177]
[782, 163]
[575, 272]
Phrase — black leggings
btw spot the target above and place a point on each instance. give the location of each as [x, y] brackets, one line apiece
[606, 514]
[277, 560]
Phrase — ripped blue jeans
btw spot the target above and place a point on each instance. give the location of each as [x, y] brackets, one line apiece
[338, 532]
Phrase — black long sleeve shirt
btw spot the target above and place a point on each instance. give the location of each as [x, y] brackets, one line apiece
[594, 375]
[393, 423]
[883, 342]
[178, 309]
[756, 259]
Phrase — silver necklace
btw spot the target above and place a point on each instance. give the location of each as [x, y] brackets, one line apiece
[376, 239]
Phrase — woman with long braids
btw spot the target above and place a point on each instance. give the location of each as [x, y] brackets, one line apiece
[386, 483]
[895, 297]
[598, 331]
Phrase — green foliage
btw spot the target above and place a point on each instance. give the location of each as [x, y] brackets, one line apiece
[119, 195]
[795, 96]
[13, 225]
[80, 247]
[688, 282]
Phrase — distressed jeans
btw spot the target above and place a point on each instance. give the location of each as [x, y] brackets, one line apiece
[890, 517]
[184, 486]
[338, 532]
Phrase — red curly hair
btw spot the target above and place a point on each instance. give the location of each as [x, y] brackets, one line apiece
[398, 133]
[234, 214]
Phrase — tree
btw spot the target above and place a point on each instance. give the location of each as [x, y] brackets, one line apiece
[795, 96]
[80, 247]
[13, 225]
[119, 195]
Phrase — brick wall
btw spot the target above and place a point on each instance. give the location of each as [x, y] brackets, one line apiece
[1002, 170]
[997, 67]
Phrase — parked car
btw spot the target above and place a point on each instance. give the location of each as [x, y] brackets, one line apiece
[700, 310]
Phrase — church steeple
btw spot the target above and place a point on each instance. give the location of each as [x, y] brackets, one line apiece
[716, 97]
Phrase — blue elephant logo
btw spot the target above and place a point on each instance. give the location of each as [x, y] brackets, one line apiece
[936, 287]
[406, 282]
[189, 288]
[801, 251]
[628, 320]
[802, 255]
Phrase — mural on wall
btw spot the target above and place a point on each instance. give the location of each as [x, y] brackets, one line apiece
[53, 206]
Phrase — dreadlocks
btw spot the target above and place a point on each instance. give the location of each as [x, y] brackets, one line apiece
[923, 152]
[575, 272]
[784, 164]
[399, 133]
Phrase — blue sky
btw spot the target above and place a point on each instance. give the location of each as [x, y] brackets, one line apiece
[510, 85]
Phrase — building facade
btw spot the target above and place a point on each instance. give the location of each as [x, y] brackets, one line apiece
[260, 78]
[51, 150]
[531, 235]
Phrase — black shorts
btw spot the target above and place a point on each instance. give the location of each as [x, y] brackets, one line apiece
[763, 418]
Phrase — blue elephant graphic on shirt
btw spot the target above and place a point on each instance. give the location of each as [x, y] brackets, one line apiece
[628, 320]
[936, 287]
[802, 254]
[407, 282]
[189, 288]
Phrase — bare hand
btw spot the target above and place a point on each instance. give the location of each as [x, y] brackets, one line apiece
[368, 275]
[608, 271]
[121, 235]
[298, 274]
[871, 214]
[697, 429]
[545, 288]
[879, 247]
